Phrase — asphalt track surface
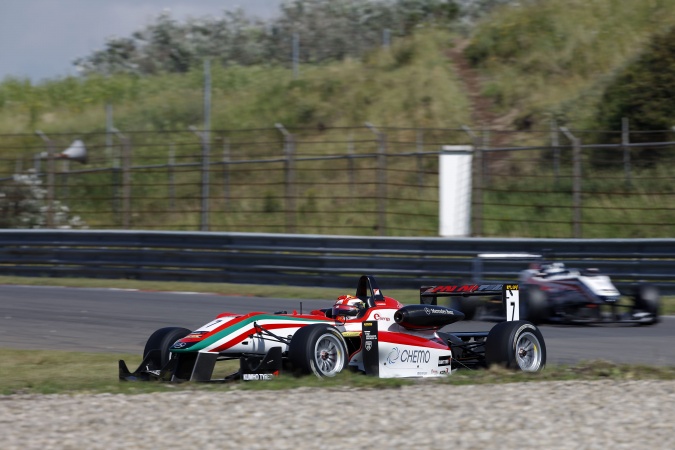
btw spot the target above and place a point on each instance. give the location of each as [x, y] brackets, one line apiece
[120, 321]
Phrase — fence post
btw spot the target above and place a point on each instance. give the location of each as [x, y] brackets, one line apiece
[126, 179]
[204, 141]
[296, 55]
[206, 147]
[477, 182]
[625, 141]
[576, 182]
[51, 167]
[381, 179]
[109, 131]
[485, 156]
[420, 161]
[555, 143]
[350, 163]
[289, 153]
[226, 172]
[386, 38]
[172, 178]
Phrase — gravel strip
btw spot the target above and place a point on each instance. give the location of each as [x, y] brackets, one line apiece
[552, 415]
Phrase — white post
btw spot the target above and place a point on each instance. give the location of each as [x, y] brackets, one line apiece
[454, 190]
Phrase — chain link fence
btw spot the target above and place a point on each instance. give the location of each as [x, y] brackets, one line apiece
[366, 180]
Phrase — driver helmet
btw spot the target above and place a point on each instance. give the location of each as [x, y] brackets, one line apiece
[556, 267]
[348, 306]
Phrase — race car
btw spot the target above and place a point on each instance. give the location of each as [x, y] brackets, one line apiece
[367, 332]
[554, 293]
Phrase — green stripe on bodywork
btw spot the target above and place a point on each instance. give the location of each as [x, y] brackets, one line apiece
[237, 326]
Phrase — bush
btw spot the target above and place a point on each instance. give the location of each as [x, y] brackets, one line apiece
[23, 204]
[643, 93]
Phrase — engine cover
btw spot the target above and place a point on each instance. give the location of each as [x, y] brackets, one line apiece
[426, 317]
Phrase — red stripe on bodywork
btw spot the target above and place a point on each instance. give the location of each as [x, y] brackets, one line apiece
[244, 317]
[406, 339]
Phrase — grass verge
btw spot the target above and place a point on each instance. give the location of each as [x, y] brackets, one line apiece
[51, 372]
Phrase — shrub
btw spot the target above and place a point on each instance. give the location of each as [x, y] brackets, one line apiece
[23, 204]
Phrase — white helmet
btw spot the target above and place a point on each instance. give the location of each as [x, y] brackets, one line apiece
[348, 306]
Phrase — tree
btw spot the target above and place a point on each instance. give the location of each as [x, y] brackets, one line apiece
[328, 30]
[644, 93]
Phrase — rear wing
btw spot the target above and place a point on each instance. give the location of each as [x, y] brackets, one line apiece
[509, 294]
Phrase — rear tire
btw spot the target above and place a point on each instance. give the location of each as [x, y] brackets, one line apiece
[516, 345]
[534, 304]
[468, 306]
[319, 349]
[162, 340]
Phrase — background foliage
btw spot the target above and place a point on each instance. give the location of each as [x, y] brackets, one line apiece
[586, 64]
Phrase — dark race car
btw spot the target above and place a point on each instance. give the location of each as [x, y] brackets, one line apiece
[553, 293]
[367, 332]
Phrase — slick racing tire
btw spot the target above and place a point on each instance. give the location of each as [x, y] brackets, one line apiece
[516, 345]
[648, 299]
[162, 340]
[534, 304]
[319, 349]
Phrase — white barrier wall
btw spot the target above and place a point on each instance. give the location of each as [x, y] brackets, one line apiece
[454, 191]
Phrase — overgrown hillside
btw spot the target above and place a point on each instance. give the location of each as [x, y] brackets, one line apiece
[544, 59]
[409, 84]
[586, 64]
[538, 59]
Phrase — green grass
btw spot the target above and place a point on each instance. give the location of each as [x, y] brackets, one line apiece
[49, 372]
[538, 60]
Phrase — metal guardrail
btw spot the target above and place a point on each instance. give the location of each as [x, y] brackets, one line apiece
[317, 260]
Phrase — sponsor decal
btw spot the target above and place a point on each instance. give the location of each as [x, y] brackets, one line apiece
[196, 335]
[212, 324]
[511, 287]
[392, 356]
[376, 291]
[444, 360]
[347, 334]
[257, 376]
[179, 345]
[431, 311]
[465, 289]
[377, 316]
[408, 356]
[367, 324]
[369, 345]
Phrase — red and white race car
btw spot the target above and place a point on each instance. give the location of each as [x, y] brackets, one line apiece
[367, 332]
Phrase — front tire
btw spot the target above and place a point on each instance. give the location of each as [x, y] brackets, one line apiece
[516, 345]
[319, 349]
[162, 340]
[648, 299]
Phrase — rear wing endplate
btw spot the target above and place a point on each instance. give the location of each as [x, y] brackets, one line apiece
[509, 294]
